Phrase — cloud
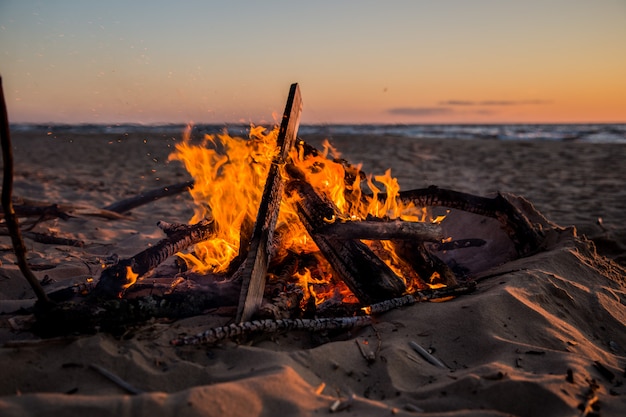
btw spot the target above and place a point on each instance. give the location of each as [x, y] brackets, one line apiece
[493, 102]
[420, 111]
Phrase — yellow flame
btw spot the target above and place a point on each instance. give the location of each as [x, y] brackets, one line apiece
[230, 174]
[131, 277]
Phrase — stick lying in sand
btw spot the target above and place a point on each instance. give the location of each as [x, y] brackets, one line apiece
[218, 334]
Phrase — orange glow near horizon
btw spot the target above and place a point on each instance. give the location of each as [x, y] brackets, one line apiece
[415, 62]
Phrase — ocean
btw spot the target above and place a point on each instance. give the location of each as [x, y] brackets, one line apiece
[592, 133]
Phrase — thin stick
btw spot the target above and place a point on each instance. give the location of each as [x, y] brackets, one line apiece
[7, 204]
[115, 379]
[149, 196]
[424, 354]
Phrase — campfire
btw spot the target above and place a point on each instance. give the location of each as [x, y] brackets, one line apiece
[292, 237]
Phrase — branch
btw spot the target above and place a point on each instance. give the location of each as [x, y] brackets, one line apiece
[7, 204]
[218, 334]
[149, 196]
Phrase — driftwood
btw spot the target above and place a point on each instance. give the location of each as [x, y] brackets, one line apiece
[116, 278]
[234, 330]
[255, 265]
[146, 197]
[91, 314]
[7, 204]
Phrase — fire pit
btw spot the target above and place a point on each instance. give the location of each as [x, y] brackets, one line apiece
[295, 237]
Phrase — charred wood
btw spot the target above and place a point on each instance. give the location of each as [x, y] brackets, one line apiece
[430, 268]
[369, 278]
[115, 279]
[258, 257]
[244, 329]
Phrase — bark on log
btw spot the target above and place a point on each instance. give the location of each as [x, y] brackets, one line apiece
[382, 230]
[269, 326]
[369, 279]
[255, 265]
[114, 279]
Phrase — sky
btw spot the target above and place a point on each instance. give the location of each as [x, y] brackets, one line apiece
[444, 61]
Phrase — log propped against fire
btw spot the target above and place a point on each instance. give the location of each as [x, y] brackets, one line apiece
[372, 250]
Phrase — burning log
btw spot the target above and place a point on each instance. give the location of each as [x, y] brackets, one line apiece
[255, 265]
[369, 278]
[120, 276]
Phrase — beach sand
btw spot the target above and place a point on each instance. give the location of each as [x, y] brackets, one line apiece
[546, 335]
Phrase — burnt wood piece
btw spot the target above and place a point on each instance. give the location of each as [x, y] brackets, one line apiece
[369, 278]
[115, 315]
[255, 266]
[114, 279]
[268, 326]
[524, 236]
[146, 197]
[382, 230]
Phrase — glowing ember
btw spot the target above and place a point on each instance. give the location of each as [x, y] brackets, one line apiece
[230, 174]
[131, 277]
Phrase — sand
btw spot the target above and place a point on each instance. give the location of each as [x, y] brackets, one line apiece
[538, 338]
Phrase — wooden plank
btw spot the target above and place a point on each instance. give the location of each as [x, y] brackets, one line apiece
[255, 266]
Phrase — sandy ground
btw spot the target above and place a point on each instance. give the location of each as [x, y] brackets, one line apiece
[545, 336]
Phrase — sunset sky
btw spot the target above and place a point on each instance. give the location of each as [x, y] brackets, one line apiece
[448, 61]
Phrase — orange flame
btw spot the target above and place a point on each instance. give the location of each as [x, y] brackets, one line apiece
[230, 174]
[131, 278]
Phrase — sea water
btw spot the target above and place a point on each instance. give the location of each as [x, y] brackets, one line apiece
[595, 133]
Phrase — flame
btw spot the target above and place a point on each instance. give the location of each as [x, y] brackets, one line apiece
[131, 277]
[230, 174]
